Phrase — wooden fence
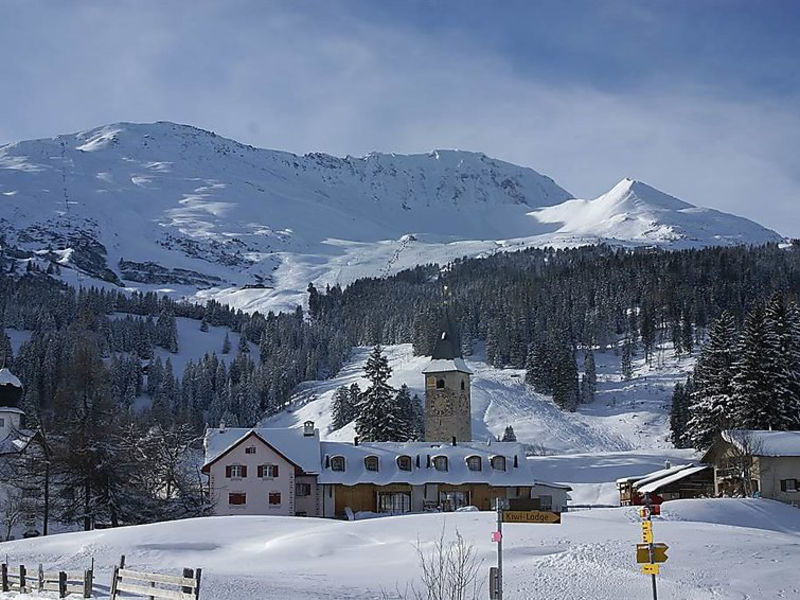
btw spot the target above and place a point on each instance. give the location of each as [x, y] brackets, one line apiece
[22, 579]
[155, 586]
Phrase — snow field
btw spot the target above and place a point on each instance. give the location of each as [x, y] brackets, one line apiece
[726, 549]
[625, 416]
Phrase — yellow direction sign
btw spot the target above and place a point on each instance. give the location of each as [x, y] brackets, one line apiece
[659, 553]
[650, 569]
[531, 516]
[647, 532]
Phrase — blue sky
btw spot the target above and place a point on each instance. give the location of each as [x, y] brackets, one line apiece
[696, 97]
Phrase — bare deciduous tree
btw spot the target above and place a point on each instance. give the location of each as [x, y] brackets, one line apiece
[451, 570]
[12, 509]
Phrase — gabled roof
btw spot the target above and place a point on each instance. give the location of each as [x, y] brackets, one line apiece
[17, 441]
[660, 474]
[298, 449]
[658, 484]
[8, 378]
[759, 442]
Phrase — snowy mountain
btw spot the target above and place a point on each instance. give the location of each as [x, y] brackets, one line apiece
[177, 209]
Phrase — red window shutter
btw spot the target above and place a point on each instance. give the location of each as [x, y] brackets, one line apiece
[228, 471]
[260, 471]
[275, 471]
[244, 470]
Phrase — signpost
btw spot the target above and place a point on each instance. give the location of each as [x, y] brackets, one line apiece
[648, 554]
[523, 510]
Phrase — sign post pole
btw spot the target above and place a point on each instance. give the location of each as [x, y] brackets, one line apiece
[499, 550]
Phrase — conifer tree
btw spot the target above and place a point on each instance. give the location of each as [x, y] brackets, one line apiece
[711, 405]
[377, 421]
[589, 380]
[226, 344]
[341, 408]
[509, 435]
[626, 365]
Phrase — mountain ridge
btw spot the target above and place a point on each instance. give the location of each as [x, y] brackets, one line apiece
[178, 209]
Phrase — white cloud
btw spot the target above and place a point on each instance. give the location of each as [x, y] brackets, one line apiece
[306, 82]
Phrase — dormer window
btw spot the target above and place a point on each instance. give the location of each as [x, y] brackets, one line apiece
[440, 384]
[337, 463]
[499, 463]
[250, 450]
[371, 463]
[440, 463]
[404, 463]
[474, 463]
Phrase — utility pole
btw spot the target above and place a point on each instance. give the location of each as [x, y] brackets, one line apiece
[499, 550]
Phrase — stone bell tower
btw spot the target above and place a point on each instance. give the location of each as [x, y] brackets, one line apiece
[447, 391]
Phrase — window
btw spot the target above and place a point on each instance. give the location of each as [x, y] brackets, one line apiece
[237, 499]
[450, 501]
[394, 503]
[440, 384]
[236, 471]
[788, 485]
[274, 499]
[404, 463]
[302, 489]
[474, 463]
[440, 463]
[371, 463]
[337, 463]
[499, 463]
[463, 385]
[268, 471]
[545, 503]
[250, 450]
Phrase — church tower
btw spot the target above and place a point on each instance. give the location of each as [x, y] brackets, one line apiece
[447, 391]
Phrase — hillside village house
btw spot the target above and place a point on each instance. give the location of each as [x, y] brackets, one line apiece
[292, 472]
[757, 462]
[669, 483]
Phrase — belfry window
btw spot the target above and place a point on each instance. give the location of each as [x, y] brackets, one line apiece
[440, 384]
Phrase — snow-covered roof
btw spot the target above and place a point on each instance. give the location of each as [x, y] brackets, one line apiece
[760, 442]
[441, 365]
[423, 468]
[656, 475]
[8, 378]
[12, 409]
[656, 485]
[301, 449]
[16, 442]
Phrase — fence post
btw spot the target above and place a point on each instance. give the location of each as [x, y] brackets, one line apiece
[197, 575]
[41, 577]
[152, 585]
[87, 583]
[114, 579]
[4, 577]
[62, 584]
[22, 581]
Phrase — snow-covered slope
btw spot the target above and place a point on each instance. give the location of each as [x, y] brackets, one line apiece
[633, 211]
[625, 416]
[720, 548]
[178, 209]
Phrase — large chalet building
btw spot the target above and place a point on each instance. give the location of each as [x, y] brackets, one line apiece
[290, 471]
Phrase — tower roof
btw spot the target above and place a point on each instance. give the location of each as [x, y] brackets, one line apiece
[448, 346]
[10, 389]
[8, 378]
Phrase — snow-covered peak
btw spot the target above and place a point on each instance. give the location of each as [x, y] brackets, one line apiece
[635, 212]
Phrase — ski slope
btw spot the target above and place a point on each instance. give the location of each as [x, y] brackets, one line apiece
[720, 549]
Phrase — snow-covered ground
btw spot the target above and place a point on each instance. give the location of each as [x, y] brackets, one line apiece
[626, 415]
[722, 549]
